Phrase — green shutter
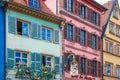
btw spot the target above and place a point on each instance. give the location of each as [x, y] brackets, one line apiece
[57, 64]
[56, 36]
[10, 58]
[34, 31]
[38, 61]
[32, 57]
[11, 24]
[39, 31]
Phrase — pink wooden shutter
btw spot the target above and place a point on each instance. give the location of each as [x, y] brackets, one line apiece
[65, 4]
[75, 6]
[65, 31]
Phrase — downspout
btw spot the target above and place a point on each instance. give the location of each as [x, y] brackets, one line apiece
[57, 7]
[5, 10]
[61, 51]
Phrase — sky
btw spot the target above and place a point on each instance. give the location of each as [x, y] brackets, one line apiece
[104, 1]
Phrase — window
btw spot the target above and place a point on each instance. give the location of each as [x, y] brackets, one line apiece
[22, 28]
[108, 69]
[83, 11]
[94, 18]
[46, 34]
[83, 65]
[70, 32]
[70, 5]
[111, 48]
[111, 28]
[70, 59]
[118, 72]
[118, 31]
[94, 41]
[94, 68]
[34, 3]
[82, 37]
[115, 13]
[21, 57]
[47, 61]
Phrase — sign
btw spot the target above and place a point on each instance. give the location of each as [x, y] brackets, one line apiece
[74, 67]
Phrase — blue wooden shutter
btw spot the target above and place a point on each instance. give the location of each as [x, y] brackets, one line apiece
[38, 61]
[57, 64]
[63, 64]
[10, 58]
[56, 36]
[39, 31]
[32, 57]
[11, 24]
[34, 31]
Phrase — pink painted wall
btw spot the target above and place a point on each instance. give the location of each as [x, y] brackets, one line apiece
[23, 2]
[80, 50]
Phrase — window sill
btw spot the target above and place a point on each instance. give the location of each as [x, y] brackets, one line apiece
[112, 33]
[111, 76]
[118, 35]
[115, 17]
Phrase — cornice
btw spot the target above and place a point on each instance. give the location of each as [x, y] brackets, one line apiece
[35, 13]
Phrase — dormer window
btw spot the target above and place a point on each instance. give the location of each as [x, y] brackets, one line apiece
[34, 4]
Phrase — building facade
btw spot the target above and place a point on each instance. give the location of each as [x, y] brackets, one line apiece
[82, 49]
[33, 37]
[111, 41]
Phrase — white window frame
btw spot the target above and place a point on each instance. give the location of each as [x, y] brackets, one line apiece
[46, 37]
[111, 27]
[118, 31]
[21, 57]
[49, 62]
[22, 26]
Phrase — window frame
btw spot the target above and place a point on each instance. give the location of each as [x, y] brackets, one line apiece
[21, 52]
[82, 39]
[84, 70]
[83, 11]
[118, 72]
[111, 50]
[111, 27]
[47, 28]
[23, 21]
[70, 32]
[70, 6]
[94, 41]
[94, 68]
[33, 3]
[94, 18]
[116, 13]
[118, 30]
[45, 55]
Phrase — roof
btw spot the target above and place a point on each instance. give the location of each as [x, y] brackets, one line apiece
[45, 8]
[106, 16]
[96, 4]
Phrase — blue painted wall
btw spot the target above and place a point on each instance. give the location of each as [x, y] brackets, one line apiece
[2, 44]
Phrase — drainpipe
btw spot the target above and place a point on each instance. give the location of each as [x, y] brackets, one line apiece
[57, 7]
[5, 10]
[61, 51]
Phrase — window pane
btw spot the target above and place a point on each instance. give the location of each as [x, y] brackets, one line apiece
[18, 54]
[25, 28]
[17, 60]
[69, 32]
[24, 60]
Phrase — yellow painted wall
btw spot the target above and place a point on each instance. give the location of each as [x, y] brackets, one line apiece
[108, 57]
